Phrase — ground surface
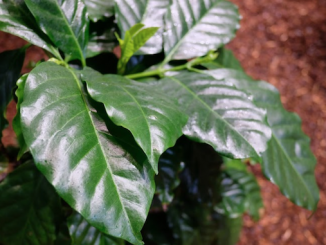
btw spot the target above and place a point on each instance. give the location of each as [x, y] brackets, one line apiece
[283, 42]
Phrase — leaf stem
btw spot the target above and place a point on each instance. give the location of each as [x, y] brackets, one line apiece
[158, 72]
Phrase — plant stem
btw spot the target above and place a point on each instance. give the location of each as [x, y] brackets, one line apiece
[158, 72]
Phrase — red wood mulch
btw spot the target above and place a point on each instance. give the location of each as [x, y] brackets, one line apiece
[283, 42]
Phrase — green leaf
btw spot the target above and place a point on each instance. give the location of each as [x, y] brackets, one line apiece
[98, 9]
[153, 119]
[247, 181]
[148, 12]
[3, 165]
[195, 27]
[11, 63]
[66, 24]
[127, 50]
[16, 122]
[233, 197]
[229, 230]
[105, 177]
[16, 19]
[82, 233]
[225, 59]
[29, 208]
[288, 161]
[219, 114]
[142, 36]
[167, 179]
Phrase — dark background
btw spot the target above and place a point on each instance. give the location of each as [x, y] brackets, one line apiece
[282, 42]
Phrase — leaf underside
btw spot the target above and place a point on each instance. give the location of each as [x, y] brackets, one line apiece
[154, 120]
[219, 114]
[29, 208]
[106, 178]
[148, 12]
[288, 160]
[195, 27]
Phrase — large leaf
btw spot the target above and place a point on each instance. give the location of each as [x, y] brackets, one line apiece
[15, 18]
[29, 208]
[288, 160]
[219, 114]
[16, 122]
[195, 27]
[106, 178]
[148, 12]
[11, 63]
[153, 119]
[98, 9]
[66, 24]
[82, 233]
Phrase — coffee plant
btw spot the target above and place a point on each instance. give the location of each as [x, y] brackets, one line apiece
[139, 127]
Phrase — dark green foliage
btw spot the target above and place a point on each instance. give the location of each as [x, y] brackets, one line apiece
[98, 138]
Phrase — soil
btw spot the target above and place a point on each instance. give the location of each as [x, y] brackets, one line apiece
[282, 42]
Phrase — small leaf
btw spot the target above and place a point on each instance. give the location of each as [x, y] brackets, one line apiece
[66, 24]
[16, 19]
[142, 36]
[98, 9]
[195, 27]
[82, 233]
[134, 29]
[105, 177]
[219, 114]
[127, 50]
[148, 12]
[288, 160]
[11, 63]
[29, 208]
[16, 122]
[153, 119]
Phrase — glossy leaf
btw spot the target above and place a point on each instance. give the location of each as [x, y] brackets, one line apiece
[82, 233]
[229, 229]
[153, 119]
[219, 114]
[104, 177]
[11, 63]
[225, 59]
[233, 197]
[66, 24]
[16, 19]
[148, 12]
[16, 122]
[29, 208]
[253, 201]
[167, 179]
[195, 27]
[288, 160]
[98, 9]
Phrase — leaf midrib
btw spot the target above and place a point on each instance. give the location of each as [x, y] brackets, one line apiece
[103, 152]
[71, 31]
[176, 46]
[291, 164]
[210, 109]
